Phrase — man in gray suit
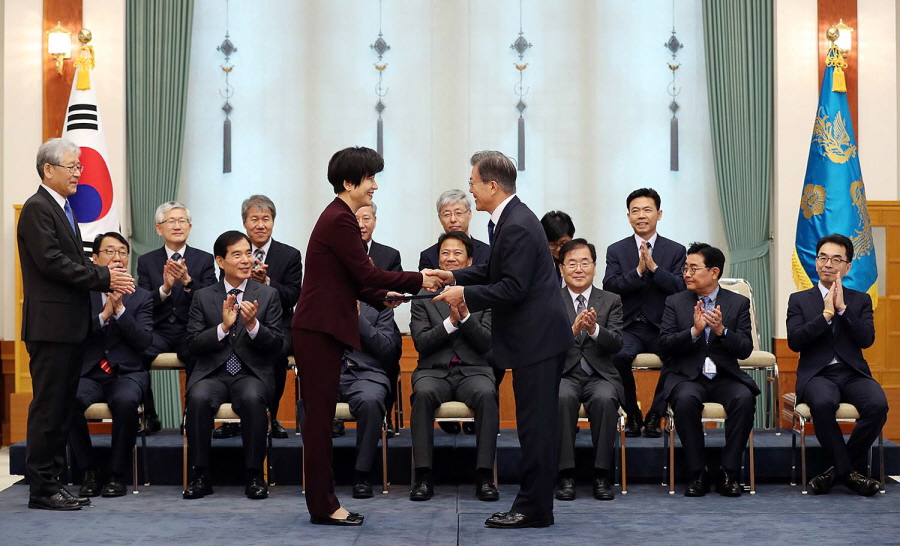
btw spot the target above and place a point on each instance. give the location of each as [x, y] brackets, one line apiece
[234, 333]
[365, 385]
[589, 375]
[454, 346]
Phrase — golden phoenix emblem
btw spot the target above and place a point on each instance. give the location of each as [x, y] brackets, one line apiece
[833, 138]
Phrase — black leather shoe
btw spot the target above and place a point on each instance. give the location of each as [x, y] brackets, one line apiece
[114, 488]
[485, 490]
[337, 429]
[278, 431]
[468, 428]
[225, 430]
[90, 486]
[699, 486]
[353, 519]
[603, 489]
[198, 488]
[822, 484]
[390, 431]
[81, 500]
[513, 520]
[450, 427]
[257, 488]
[362, 490]
[727, 485]
[652, 427]
[862, 485]
[53, 502]
[633, 427]
[153, 424]
[421, 491]
[565, 489]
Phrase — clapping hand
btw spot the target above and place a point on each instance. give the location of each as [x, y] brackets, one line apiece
[178, 270]
[590, 320]
[229, 312]
[838, 289]
[258, 273]
[248, 313]
[714, 320]
[112, 306]
[699, 320]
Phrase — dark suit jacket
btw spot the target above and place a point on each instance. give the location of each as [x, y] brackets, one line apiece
[471, 343]
[683, 358]
[811, 336]
[598, 354]
[385, 257]
[644, 294]
[123, 339]
[150, 278]
[519, 286]
[430, 257]
[257, 354]
[338, 273]
[56, 275]
[380, 340]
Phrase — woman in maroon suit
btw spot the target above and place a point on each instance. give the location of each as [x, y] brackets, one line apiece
[338, 273]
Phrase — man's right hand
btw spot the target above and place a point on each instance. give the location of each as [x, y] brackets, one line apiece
[120, 281]
[578, 325]
[229, 312]
[699, 320]
[168, 279]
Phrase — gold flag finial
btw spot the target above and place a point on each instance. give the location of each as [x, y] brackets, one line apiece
[85, 61]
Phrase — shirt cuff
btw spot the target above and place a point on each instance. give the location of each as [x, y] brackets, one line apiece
[162, 293]
[593, 335]
[118, 315]
[448, 325]
[841, 313]
[254, 331]
[103, 323]
[219, 333]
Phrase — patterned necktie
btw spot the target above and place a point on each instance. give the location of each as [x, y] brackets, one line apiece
[491, 232]
[176, 256]
[707, 305]
[233, 364]
[260, 255]
[649, 248]
[68, 210]
[580, 308]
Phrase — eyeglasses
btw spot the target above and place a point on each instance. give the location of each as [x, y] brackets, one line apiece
[693, 269]
[571, 266]
[122, 253]
[71, 168]
[822, 259]
[172, 221]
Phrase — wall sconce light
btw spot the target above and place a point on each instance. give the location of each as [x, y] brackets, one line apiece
[59, 45]
[842, 36]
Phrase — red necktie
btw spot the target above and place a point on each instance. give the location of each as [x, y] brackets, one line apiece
[104, 365]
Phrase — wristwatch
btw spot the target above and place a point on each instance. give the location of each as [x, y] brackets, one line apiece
[188, 285]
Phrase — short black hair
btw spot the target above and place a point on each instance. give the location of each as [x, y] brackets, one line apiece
[220, 247]
[556, 224]
[352, 165]
[98, 240]
[460, 236]
[837, 239]
[712, 256]
[643, 192]
[575, 244]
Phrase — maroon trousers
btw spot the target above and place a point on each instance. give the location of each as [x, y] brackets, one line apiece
[318, 357]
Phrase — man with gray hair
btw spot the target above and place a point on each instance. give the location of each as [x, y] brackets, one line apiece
[454, 211]
[57, 279]
[172, 274]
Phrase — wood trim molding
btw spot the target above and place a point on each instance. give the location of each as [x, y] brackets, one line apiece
[829, 13]
[57, 87]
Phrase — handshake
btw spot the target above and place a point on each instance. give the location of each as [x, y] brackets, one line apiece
[435, 279]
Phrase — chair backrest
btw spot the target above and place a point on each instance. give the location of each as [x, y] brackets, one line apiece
[742, 287]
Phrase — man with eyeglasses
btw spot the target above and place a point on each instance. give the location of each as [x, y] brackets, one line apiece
[172, 274]
[112, 371]
[705, 331]
[829, 325]
[644, 269]
[57, 281]
[589, 375]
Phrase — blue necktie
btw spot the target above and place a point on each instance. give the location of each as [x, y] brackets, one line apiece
[68, 210]
[176, 256]
[707, 305]
[233, 364]
[491, 232]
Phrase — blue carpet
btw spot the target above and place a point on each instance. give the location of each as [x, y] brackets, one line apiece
[159, 515]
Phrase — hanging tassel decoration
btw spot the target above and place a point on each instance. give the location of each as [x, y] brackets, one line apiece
[380, 138]
[673, 145]
[835, 59]
[226, 146]
[521, 157]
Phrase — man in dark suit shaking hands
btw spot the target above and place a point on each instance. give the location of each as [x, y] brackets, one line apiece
[235, 333]
[830, 325]
[57, 280]
[530, 331]
[705, 331]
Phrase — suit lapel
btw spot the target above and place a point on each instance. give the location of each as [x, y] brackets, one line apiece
[507, 210]
[61, 215]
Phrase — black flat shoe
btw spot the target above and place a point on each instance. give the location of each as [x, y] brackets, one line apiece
[487, 491]
[699, 486]
[565, 489]
[224, 431]
[337, 429]
[82, 501]
[822, 484]
[513, 520]
[603, 489]
[257, 488]
[632, 427]
[727, 485]
[421, 491]
[198, 488]
[90, 485]
[114, 488]
[352, 520]
[53, 502]
[862, 485]
[278, 431]
[362, 490]
[652, 427]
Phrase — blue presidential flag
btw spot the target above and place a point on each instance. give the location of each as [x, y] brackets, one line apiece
[834, 197]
